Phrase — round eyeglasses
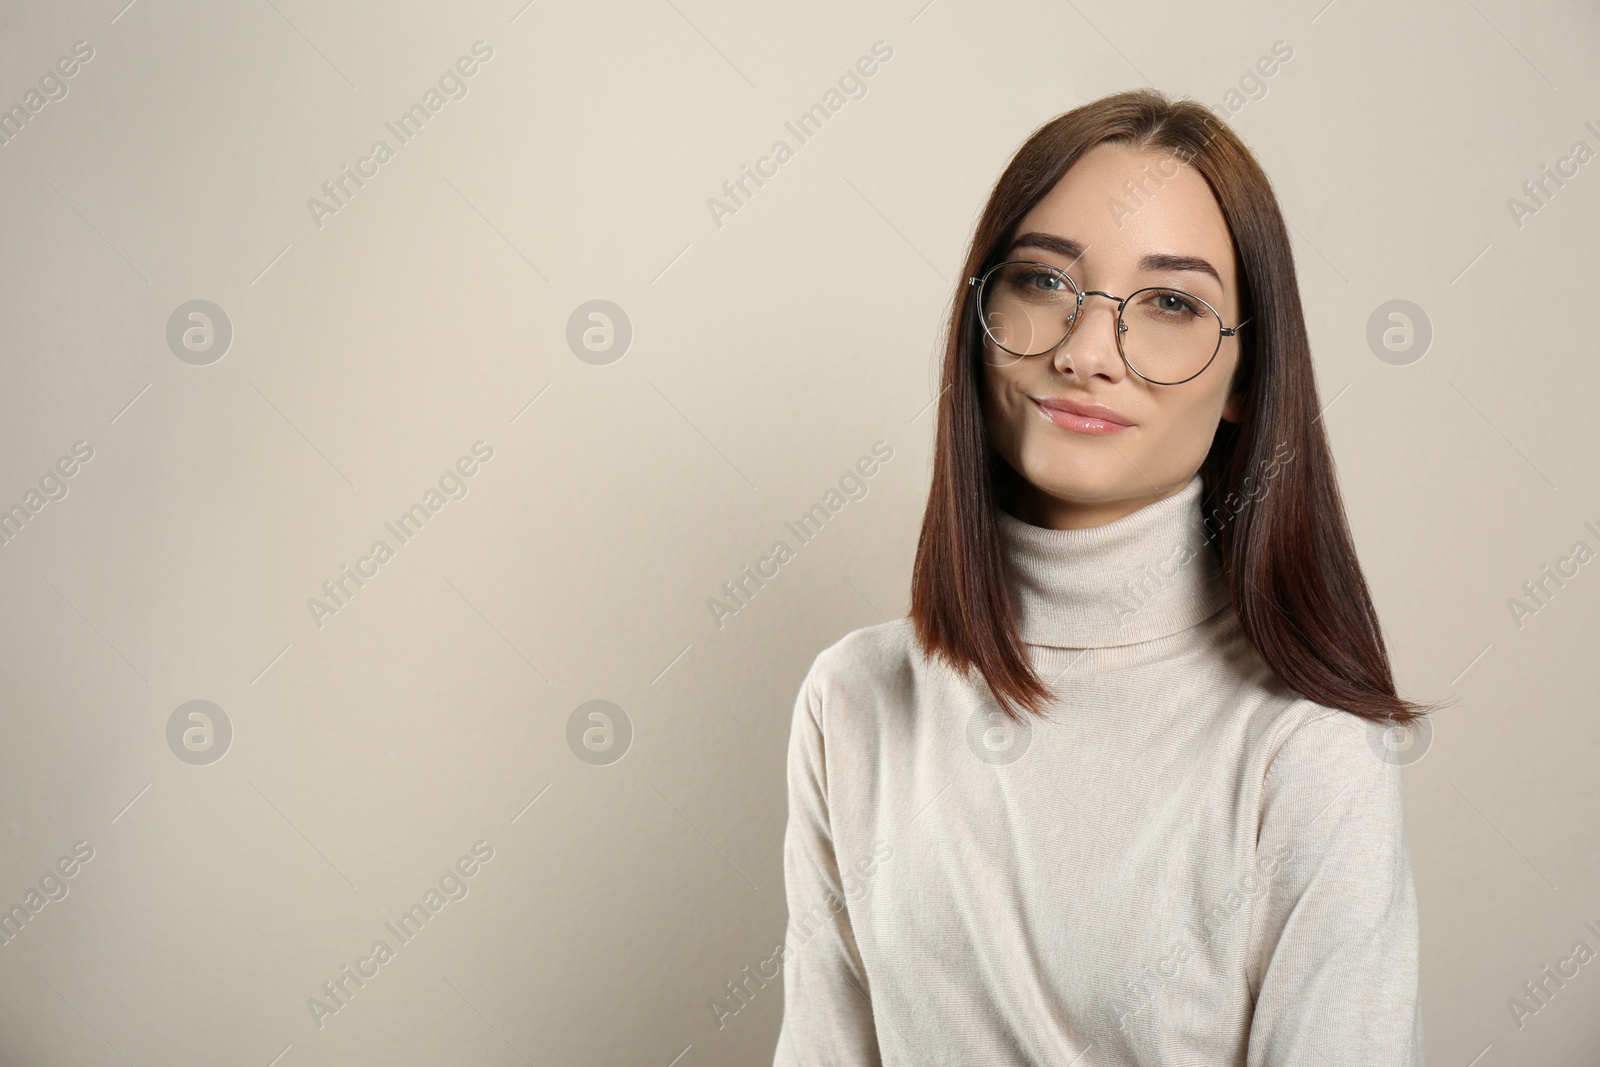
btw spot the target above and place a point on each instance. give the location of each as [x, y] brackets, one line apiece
[1165, 336]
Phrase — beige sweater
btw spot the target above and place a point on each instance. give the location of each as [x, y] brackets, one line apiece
[1186, 864]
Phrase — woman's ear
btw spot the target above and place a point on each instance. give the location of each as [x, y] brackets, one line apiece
[1233, 407]
[1238, 388]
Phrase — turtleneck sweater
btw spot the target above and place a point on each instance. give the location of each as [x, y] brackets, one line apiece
[1182, 863]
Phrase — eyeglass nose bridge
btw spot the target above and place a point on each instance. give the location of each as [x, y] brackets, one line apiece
[1077, 313]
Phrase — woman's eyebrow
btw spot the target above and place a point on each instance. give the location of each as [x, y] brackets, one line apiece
[1049, 242]
[1155, 261]
[1167, 261]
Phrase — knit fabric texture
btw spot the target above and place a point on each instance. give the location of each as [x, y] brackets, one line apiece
[1182, 863]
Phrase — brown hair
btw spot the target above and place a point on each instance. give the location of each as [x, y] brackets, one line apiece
[1296, 585]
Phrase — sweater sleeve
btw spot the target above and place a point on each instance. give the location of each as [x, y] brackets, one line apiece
[1334, 939]
[827, 1007]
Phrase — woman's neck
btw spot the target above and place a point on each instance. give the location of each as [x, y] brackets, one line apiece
[1034, 506]
[1149, 574]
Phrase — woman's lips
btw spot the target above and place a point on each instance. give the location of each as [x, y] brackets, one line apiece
[1070, 420]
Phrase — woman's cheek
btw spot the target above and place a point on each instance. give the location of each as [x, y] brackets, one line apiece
[1179, 439]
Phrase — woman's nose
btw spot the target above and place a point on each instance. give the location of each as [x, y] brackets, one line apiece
[1092, 347]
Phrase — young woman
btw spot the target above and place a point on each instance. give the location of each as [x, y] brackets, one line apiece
[1122, 789]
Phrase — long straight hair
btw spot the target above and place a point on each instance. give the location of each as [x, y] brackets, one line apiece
[1286, 551]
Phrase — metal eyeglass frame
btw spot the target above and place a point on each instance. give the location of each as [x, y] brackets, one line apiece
[1122, 327]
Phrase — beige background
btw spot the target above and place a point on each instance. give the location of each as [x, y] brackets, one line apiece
[767, 355]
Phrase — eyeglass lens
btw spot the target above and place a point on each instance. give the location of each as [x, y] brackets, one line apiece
[1028, 309]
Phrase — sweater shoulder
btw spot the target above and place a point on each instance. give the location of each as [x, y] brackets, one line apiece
[871, 667]
[1279, 717]
[1310, 738]
[877, 654]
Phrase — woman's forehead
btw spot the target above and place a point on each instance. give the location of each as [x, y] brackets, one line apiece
[1140, 209]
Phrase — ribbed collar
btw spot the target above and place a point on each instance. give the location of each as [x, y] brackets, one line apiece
[1146, 575]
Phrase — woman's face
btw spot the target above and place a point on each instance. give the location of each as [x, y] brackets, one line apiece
[1072, 477]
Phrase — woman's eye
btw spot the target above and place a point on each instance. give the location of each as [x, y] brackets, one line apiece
[1173, 304]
